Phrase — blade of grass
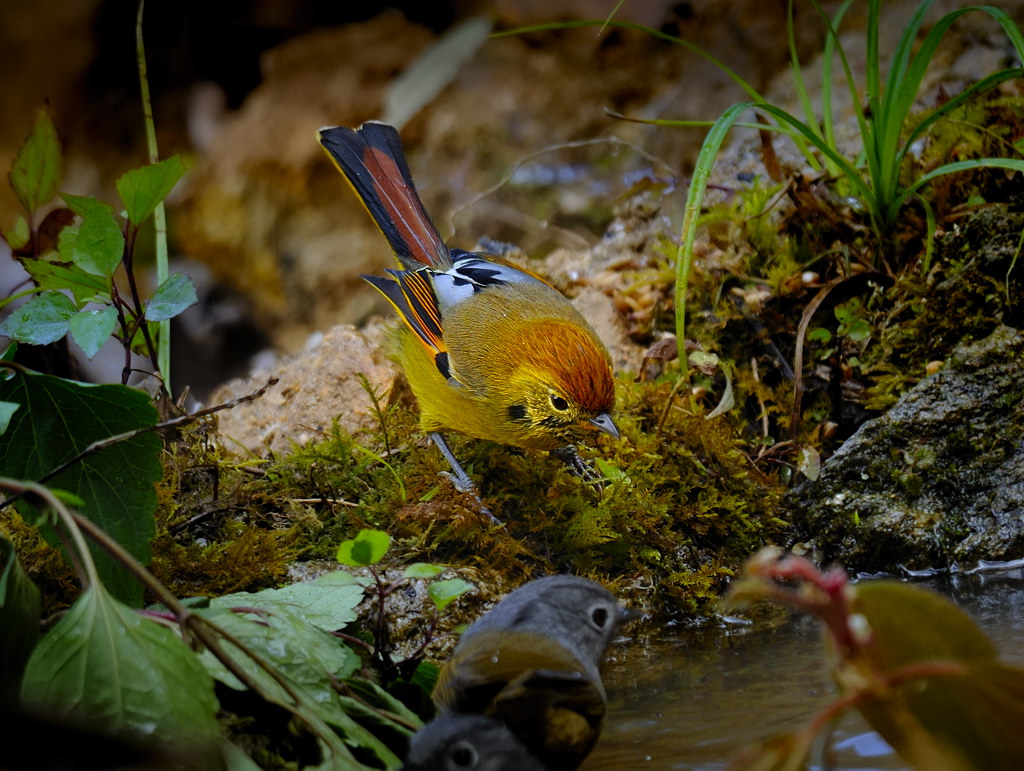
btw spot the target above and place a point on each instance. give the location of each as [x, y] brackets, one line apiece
[863, 124]
[1011, 164]
[975, 89]
[691, 215]
[159, 215]
[798, 74]
[828, 52]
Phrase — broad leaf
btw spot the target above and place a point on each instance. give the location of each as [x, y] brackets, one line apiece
[962, 708]
[143, 189]
[7, 410]
[106, 666]
[59, 419]
[19, 620]
[19, 234]
[423, 570]
[91, 329]
[36, 171]
[96, 244]
[170, 298]
[42, 320]
[308, 658]
[367, 548]
[444, 592]
[328, 602]
[85, 287]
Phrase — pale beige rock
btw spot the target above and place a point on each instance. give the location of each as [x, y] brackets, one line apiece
[315, 387]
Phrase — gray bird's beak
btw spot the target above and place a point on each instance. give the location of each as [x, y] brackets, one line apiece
[603, 422]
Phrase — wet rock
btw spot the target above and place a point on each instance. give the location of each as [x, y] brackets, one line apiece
[938, 480]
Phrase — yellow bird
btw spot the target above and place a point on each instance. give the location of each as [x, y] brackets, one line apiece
[490, 350]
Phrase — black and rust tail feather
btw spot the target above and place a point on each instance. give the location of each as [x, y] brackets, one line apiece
[372, 160]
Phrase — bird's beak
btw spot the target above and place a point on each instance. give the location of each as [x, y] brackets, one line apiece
[603, 422]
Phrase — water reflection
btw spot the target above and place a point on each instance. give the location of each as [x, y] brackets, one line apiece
[692, 699]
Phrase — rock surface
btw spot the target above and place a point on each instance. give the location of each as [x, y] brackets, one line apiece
[938, 480]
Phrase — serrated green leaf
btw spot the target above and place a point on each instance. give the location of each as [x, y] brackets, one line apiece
[7, 410]
[91, 329]
[42, 320]
[96, 244]
[19, 618]
[302, 652]
[423, 570]
[36, 170]
[371, 705]
[367, 548]
[59, 419]
[142, 189]
[105, 665]
[85, 287]
[308, 658]
[81, 204]
[328, 602]
[173, 296]
[445, 592]
[18, 235]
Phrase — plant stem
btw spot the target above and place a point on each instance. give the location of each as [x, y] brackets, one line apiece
[84, 562]
[163, 353]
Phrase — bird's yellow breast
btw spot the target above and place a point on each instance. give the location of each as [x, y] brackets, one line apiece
[496, 341]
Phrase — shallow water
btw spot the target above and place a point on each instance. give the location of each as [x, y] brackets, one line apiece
[692, 699]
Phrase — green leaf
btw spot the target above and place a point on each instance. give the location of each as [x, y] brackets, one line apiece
[142, 189]
[18, 235]
[367, 548]
[372, 705]
[911, 624]
[59, 419]
[328, 602]
[808, 461]
[91, 329]
[308, 659]
[19, 618]
[96, 244]
[42, 320]
[960, 707]
[85, 287]
[444, 592]
[106, 666]
[423, 570]
[7, 410]
[303, 653]
[36, 171]
[820, 334]
[170, 298]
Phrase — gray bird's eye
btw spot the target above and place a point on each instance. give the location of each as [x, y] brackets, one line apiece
[599, 616]
[463, 755]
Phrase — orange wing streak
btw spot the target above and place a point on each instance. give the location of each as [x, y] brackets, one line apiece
[423, 305]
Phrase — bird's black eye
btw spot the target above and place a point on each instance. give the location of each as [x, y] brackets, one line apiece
[559, 403]
[463, 755]
[599, 616]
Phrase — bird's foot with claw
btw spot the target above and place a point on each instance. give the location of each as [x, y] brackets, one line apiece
[465, 485]
[578, 466]
[460, 478]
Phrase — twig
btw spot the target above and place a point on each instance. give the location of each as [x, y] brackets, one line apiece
[101, 444]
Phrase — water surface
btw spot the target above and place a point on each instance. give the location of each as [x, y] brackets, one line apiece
[693, 698]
